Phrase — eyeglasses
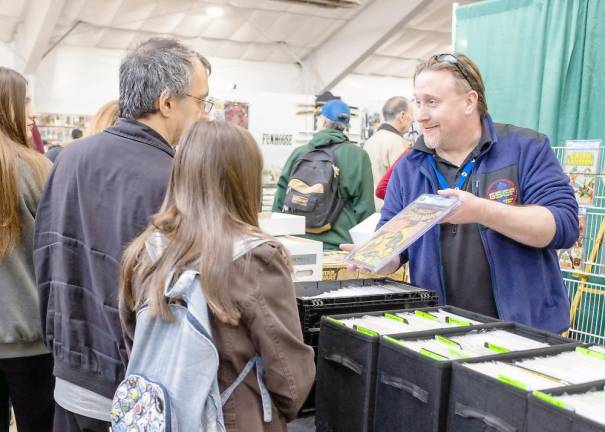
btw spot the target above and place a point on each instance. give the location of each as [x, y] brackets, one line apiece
[453, 60]
[206, 104]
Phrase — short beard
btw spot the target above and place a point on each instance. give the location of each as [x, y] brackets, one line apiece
[432, 143]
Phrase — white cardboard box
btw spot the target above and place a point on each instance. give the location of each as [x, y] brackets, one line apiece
[364, 230]
[307, 258]
[277, 224]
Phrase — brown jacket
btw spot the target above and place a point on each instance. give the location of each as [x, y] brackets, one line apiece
[270, 327]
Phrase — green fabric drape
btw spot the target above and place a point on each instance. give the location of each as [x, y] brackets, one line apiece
[543, 63]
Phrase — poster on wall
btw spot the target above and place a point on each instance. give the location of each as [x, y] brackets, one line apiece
[236, 112]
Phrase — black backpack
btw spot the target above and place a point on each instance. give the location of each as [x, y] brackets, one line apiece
[313, 190]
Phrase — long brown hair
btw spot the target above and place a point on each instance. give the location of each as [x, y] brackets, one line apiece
[14, 146]
[213, 198]
[105, 117]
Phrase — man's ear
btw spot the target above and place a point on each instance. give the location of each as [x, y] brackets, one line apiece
[166, 103]
[405, 119]
[470, 102]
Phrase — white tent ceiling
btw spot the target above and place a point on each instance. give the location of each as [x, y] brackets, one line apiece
[255, 30]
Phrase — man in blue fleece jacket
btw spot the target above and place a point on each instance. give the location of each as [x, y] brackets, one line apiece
[496, 253]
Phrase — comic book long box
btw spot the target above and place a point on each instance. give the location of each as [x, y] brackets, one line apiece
[402, 230]
[311, 310]
[424, 401]
[544, 415]
[346, 371]
[489, 398]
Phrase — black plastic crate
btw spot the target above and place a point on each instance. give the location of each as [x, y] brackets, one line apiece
[311, 310]
[543, 415]
[346, 372]
[479, 402]
[311, 338]
[412, 389]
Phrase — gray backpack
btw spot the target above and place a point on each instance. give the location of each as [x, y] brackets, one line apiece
[171, 382]
[313, 189]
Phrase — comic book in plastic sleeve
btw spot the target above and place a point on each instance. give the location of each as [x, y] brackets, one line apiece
[581, 165]
[402, 230]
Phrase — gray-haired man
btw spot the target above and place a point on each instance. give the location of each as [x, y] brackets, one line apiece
[387, 144]
[99, 196]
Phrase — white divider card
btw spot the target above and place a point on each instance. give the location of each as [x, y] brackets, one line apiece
[589, 405]
[364, 290]
[443, 316]
[475, 344]
[402, 230]
[573, 367]
[378, 324]
[497, 340]
[515, 376]
[407, 322]
[598, 348]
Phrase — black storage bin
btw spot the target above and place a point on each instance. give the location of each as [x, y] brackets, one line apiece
[311, 310]
[479, 402]
[544, 416]
[346, 372]
[412, 389]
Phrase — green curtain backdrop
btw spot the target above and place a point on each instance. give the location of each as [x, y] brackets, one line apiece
[543, 62]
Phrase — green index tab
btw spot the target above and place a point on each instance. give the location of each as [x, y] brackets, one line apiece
[496, 348]
[395, 341]
[365, 331]
[551, 400]
[590, 353]
[396, 318]
[458, 353]
[426, 315]
[335, 321]
[447, 341]
[433, 355]
[457, 321]
[512, 382]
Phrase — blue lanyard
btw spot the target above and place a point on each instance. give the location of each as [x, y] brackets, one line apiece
[464, 175]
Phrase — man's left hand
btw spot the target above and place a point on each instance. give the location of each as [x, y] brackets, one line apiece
[471, 209]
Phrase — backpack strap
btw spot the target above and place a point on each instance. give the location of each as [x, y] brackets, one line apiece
[245, 245]
[264, 393]
[187, 286]
[241, 248]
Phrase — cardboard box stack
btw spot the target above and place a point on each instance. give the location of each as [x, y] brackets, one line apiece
[307, 255]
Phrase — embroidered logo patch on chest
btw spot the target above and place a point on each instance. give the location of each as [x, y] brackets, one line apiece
[504, 191]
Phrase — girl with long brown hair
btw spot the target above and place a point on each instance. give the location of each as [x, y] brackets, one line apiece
[212, 201]
[25, 364]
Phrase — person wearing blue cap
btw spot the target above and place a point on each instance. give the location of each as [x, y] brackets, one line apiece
[328, 180]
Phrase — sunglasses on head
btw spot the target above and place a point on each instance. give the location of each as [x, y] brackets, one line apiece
[453, 60]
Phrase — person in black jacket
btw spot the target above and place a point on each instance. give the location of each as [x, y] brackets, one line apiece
[100, 195]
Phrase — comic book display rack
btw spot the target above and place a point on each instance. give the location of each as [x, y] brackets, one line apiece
[583, 266]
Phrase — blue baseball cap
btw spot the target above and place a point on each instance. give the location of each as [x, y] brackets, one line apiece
[337, 111]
